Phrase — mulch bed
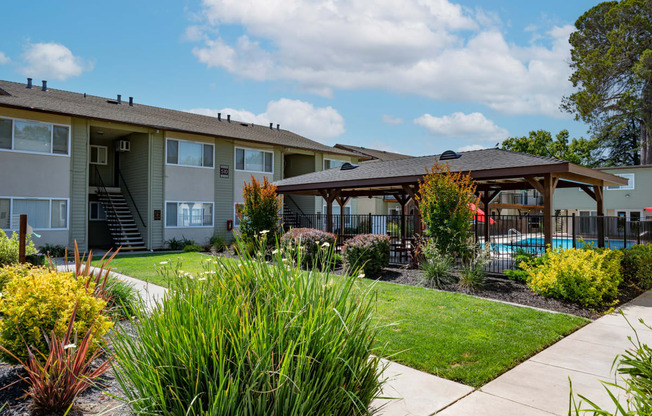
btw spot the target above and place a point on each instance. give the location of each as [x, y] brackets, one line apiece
[504, 290]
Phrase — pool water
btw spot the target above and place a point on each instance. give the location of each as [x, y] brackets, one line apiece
[537, 245]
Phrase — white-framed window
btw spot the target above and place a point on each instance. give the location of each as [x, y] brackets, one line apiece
[588, 213]
[254, 160]
[184, 214]
[630, 185]
[336, 209]
[630, 214]
[28, 136]
[187, 153]
[42, 213]
[237, 209]
[99, 155]
[333, 163]
[96, 211]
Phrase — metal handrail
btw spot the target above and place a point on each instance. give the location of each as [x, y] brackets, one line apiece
[303, 214]
[131, 198]
[102, 190]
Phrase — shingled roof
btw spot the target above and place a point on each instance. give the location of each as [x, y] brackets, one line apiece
[372, 154]
[486, 164]
[16, 95]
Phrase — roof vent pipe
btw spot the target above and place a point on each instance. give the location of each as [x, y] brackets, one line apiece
[278, 127]
[45, 86]
[29, 83]
[119, 100]
[228, 118]
[131, 101]
[271, 126]
[219, 116]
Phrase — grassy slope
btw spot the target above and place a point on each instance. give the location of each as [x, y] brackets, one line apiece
[454, 336]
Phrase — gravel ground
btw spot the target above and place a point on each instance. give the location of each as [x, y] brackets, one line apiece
[94, 401]
[504, 290]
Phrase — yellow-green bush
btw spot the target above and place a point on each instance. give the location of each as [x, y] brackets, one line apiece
[8, 273]
[40, 301]
[9, 248]
[589, 277]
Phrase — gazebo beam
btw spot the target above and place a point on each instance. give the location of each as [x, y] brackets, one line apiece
[599, 199]
[329, 195]
[549, 184]
[342, 201]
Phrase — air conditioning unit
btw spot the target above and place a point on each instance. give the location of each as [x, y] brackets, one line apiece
[124, 146]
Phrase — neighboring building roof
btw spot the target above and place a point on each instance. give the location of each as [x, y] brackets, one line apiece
[372, 154]
[16, 95]
[626, 167]
[486, 164]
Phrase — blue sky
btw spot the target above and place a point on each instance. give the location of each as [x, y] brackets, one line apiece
[412, 76]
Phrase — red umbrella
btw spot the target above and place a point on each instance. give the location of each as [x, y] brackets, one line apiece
[649, 209]
[480, 215]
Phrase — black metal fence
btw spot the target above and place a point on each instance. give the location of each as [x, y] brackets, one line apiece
[508, 234]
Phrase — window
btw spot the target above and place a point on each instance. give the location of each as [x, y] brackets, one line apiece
[188, 214]
[237, 213]
[34, 137]
[336, 209]
[99, 155]
[630, 185]
[252, 160]
[42, 213]
[332, 163]
[96, 211]
[185, 153]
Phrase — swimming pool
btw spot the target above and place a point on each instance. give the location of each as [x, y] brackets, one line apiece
[537, 245]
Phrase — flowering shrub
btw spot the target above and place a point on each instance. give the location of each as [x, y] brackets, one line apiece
[9, 248]
[589, 277]
[367, 251]
[304, 244]
[42, 301]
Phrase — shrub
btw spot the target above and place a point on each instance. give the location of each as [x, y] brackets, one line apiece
[260, 210]
[472, 274]
[190, 248]
[437, 267]
[250, 338]
[522, 258]
[42, 301]
[179, 244]
[370, 252]
[218, 243]
[446, 200]
[304, 245]
[53, 250]
[69, 369]
[637, 267]
[589, 277]
[9, 248]
[16, 271]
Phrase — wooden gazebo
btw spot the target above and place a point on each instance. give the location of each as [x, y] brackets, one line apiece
[494, 171]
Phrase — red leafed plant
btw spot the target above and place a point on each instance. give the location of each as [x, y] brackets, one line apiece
[68, 369]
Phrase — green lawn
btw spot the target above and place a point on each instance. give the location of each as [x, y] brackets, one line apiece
[145, 266]
[454, 336]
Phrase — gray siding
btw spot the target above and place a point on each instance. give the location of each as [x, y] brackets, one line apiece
[157, 163]
[224, 187]
[79, 184]
[134, 166]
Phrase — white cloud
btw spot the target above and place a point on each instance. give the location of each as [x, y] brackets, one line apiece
[52, 61]
[390, 119]
[472, 147]
[427, 47]
[4, 59]
[316, 123]
[462, 126]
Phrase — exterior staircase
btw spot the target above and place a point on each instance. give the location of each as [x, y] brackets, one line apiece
[289, 217]
[120, 220]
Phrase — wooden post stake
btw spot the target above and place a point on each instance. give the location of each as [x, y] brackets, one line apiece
[22, 237]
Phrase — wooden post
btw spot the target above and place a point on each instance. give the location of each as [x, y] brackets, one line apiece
[329, 196]
[597, 190]
[22, 237]
[486, 199]
[411, 191]
[342, 203]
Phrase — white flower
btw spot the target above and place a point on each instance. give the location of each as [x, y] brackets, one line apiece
[361, 275]
[163, 262]
[275, 251]
[264, 232]
[69, 346]
[326, 244]
[202, 279]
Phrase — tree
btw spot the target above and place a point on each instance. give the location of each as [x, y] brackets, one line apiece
[580, 151]
[447, 200]
[621, 143]
[260, 211]
[611, 56]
